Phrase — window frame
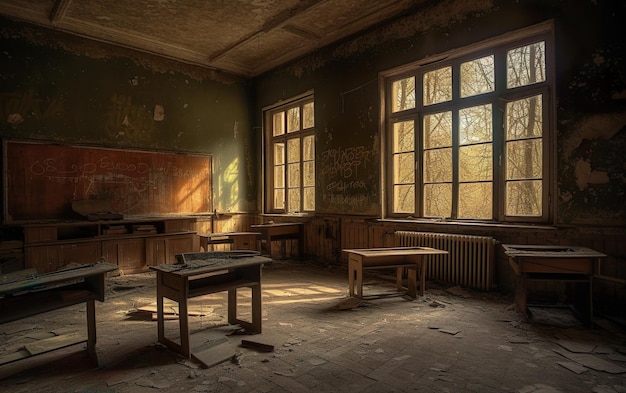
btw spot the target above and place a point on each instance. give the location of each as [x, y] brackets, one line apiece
[498, 98]
[268, 154]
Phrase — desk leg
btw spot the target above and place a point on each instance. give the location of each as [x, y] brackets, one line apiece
[256, 308]
[160, 318]
[91, 330]
[183, 318]
[301, 242]
[422, 268]
[411, 274]
[355, 276]
[232, 306]
[520, 296]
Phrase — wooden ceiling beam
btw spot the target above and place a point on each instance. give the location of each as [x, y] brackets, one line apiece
[278, 21]
[58, 10]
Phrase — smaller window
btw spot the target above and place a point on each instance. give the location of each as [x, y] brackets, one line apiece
[291, 162]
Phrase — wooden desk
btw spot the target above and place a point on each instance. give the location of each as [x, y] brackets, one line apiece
[237, 240]
[280, 231]
[203, 273]
[51, 291]
[562, 263]
[411, 258]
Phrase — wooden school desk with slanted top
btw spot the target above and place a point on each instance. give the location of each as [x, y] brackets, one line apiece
[411, 258]
[203, 273]
[41, 293]
[553, 263]
[280, 232]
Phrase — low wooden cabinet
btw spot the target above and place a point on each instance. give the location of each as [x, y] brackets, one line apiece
[47, 258]
[128, 254]
[131, 244]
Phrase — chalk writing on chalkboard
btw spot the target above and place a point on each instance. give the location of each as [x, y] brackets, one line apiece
[347, 175]
[43, 179]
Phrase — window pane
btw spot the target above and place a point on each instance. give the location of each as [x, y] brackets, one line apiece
[524, 118]
[309, 173]
[279, 176]
[477, 76]
[437, 200]
[403, 136]
[293, 176]
[438, 86]
[279, 198]
[475, 200]
[526, 65]
[293, 150]
[308, 147]
[294, 200]
[404, 199]
[278, 124]
[309, 199]
[293, 119]
[475, 124]
[438, 165]
[404, 168]
[438, 130]
[523, 198]
[475, 162]
[524, 159]
[279, 153]
[308, 116]
[403, 94]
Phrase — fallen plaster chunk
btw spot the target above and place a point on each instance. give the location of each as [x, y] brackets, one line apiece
[592, 362]
[576, 346]
[261, 347]
[574, 367]
[349, 304]
[458, 291]
[451, 331]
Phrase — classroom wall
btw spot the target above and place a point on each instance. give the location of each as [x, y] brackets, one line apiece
[590, 120]
[64, 89]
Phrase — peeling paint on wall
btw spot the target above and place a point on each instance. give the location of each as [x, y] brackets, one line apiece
[604, 126]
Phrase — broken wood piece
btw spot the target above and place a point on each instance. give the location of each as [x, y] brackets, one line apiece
[261, 347]
[349, 303]
[57, 342]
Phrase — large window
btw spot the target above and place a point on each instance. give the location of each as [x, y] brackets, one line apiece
[468, 135]
[290, 157]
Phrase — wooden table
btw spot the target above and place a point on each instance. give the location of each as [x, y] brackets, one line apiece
[41, 293]
[562, 263]
[280, 232]
[237, 240]
[203, 273]
[411, 258]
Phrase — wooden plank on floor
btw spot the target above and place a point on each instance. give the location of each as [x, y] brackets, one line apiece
[53, 343]
[210, 349]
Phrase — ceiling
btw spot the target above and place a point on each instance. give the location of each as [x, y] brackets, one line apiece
[240, 37]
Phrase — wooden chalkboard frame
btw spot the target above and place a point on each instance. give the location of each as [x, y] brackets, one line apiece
[42, 179]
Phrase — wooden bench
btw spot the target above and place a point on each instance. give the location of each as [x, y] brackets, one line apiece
[413, 259]
[237, 240]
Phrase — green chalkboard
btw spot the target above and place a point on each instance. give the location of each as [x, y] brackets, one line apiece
[41, 180]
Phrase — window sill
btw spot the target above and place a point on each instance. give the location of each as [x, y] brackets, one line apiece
[445, 222]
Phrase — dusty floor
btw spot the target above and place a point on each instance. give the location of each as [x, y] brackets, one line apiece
[451, 340]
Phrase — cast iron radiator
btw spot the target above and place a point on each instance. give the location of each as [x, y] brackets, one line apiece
[470, 261]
